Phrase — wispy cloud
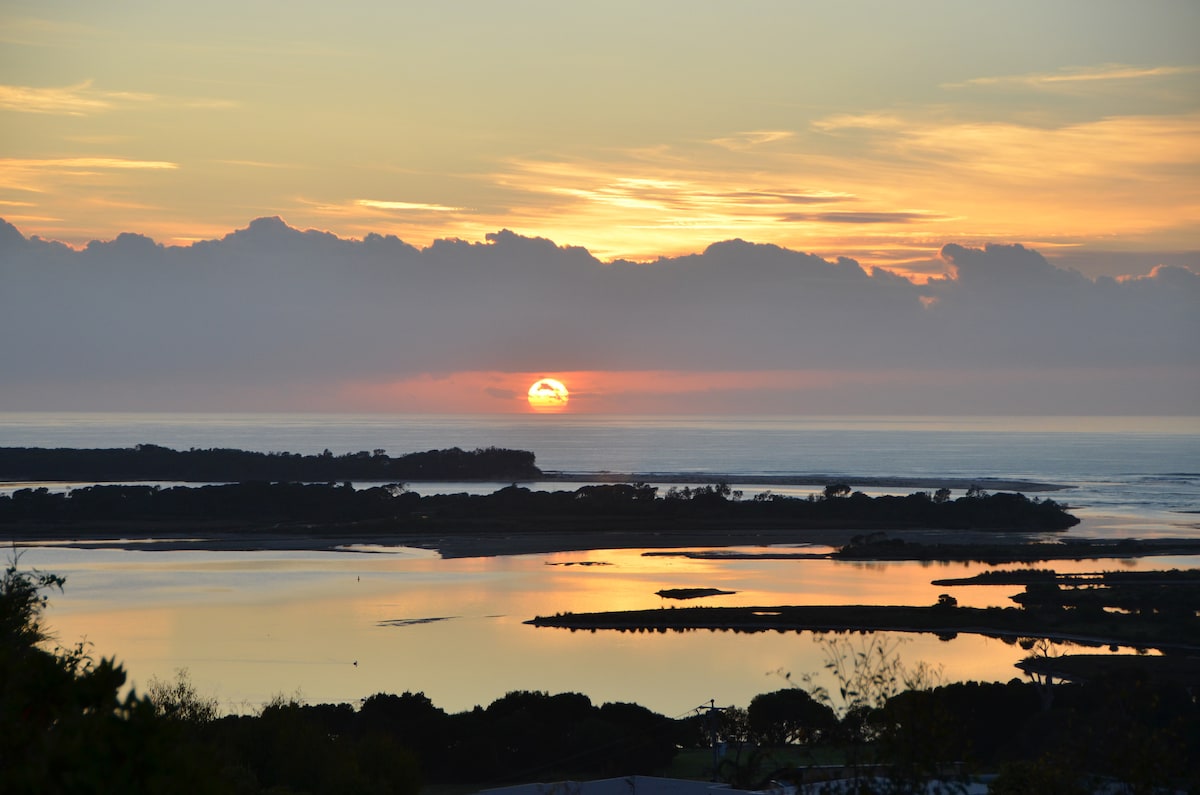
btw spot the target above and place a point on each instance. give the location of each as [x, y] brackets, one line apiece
[82, 99]
[883, 186]
[30, 31]
[861, 121]
[1110, 148]
[418, 223]
[1105, 73]
[373, 208]
[642, 203]
[676, 200]
[119, 204]
[85, 163]
[258, 164]
[379, 204]
[37, 175]
[864, 217]
[753, 138]
[98, 140]
[636, 186]
[74, 100]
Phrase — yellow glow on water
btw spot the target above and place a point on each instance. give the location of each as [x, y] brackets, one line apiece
[252, 626]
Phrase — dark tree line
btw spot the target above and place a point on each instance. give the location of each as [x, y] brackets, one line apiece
[152, 462]
[636, 505]
[251, 501]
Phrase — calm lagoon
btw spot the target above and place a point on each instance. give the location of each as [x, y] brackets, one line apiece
[249, 626]
[252, 625]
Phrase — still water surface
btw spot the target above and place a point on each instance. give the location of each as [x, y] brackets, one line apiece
[249, 626]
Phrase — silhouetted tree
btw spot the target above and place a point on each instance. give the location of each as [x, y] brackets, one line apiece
[64, 727]
[833, 490]
[787, 716]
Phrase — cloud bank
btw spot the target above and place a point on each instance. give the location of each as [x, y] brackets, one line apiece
[270, 316]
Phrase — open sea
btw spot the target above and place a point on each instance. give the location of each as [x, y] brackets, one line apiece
[340, 626]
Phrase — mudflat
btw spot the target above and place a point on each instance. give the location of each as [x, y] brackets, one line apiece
[924, 543]
[225, 537]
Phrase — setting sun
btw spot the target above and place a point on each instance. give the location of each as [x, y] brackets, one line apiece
[547, 394]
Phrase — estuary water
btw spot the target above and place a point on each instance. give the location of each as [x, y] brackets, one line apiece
[340, 626]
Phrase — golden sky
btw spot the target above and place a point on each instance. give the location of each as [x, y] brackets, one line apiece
[878, 131]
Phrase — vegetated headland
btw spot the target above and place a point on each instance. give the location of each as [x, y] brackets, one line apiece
[148, 462]
[151, 462]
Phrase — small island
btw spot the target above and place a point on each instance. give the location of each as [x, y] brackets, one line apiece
[691, 593]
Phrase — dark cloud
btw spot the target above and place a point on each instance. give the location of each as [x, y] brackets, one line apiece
[1005, 266]
[1100, 262]
[269, 304]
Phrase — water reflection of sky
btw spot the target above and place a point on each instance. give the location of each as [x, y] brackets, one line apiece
[252, 625]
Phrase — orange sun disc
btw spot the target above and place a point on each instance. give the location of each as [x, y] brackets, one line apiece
[548, 394]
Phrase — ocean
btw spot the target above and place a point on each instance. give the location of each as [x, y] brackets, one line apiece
[340, 626]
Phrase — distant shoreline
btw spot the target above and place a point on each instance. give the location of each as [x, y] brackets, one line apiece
[607, 477]
[887, 481]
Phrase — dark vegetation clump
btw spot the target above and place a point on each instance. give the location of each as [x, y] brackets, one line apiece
[326, 506]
